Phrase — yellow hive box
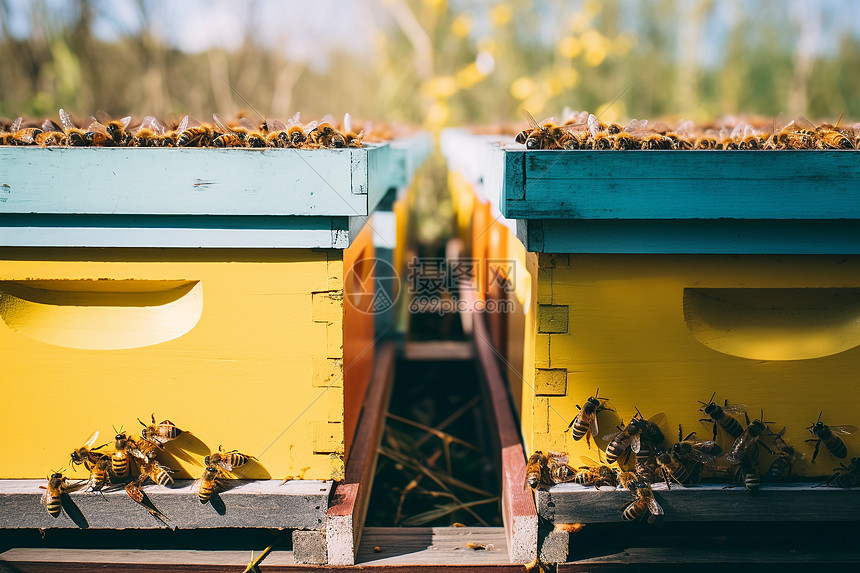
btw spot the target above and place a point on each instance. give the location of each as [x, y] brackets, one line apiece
[241, 348]
[662, 332]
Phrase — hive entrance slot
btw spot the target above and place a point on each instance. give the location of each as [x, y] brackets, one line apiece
[774, 323]
[101, 314]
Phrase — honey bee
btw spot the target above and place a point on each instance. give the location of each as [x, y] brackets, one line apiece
[143, 450]
[74, 136]
[832, 137]
[745, 446]
[780, 468]
[545, 136]
[352, 139]
[721, 415]
[86, 453]
[656, 141]
[121, 459]
[536, 470]
[325, 135]
[671, 469]
[595, 474]
[116, 128]
[159, 433]
[206, 484]
[846, 476]
[643, 503]
[296, 131]
[56, 488]
[97, 135]
[51, 135]
[828, 435]
[156, 472]
[151, 133]
[602, 141]
[226, 460]
[627, 437]
[678, 142]
[584, 424]
[749, 475]
[196, 135]
[705, 452]
[100, 474]
[277, 134]
[628, 480]
[19, 136]
[799, 134]
[557, 468]
[707, 141]
[6, 135]
[244, 136]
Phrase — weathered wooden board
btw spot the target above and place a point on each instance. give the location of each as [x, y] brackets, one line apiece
[696, 557]
[681, 185]
[573, 503]
[432, 546]
[130, 181]
[692, 237]
[345, 516]
[257, 503]
[246, 232]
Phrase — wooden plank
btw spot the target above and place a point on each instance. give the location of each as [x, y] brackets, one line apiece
[573, 503]
[518, 509]
[435, 350]
[249, 503]
[725, 236]
[714, 559]
[345, 516]
[21, 556]
[174, 231]
[425, 546]
[324, 182]
[673, 185]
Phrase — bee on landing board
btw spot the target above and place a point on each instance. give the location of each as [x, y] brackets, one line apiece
[100, 474]
[584, 424]
[75, 136]
[746, 445]
[671, 469]
[845, 476]
[160, 433]
[829, 436]
[193, 134]
[121, 459]
[226, 460]
[643, 502]
[536, 470]
[57, 487]
[86, 454]
[206, 484]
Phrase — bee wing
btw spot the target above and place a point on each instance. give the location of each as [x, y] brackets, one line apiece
[559, 457]
[347, 123]
[654, 507]
[48, 125]
[594, 429]
[700, 456]
[328, 118]
[125, 121]
[219, 121]
[740, 447]
[636, 125]
[195, 487]
[183, 124]
[247, 124]
[225, 466]
[658, 419]
[610, 437]
[635, 443]
[735, 408]
[593, 125]
[803, 123]
[310, 127]
[65, 120]
[843, 430]
[97, 126]
[92, 439]
[686, 129]
[295, 120]
[276, 125]
[153, 124]
[530, 119]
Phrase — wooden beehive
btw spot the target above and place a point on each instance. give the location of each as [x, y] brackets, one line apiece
[661, 277]
[220, 289]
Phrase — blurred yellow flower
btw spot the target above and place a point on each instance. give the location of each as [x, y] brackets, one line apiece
[595, 47]
[570, 47]
[439, 87]
[569, 77]
[579, 23]
[436, 5]
[555, 86]
[623, 44]
[487, 45]
[535, 105]
[592, 8]
[461, 26]
[594, 56]
[437, 115]
[469, 76]
[501, 14]
[611, 112]
[522, 88]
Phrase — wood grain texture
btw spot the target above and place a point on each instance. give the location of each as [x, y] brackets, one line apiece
[346, 182]
[671, 185]
[432, 546]
[264, 503]
[518, 510]
[573, 503]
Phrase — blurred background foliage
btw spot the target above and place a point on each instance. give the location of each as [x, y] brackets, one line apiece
[431, 62]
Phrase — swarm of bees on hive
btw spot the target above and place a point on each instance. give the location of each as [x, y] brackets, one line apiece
[132, 462]
[583, 130]
[102, 131]
[637, 455]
